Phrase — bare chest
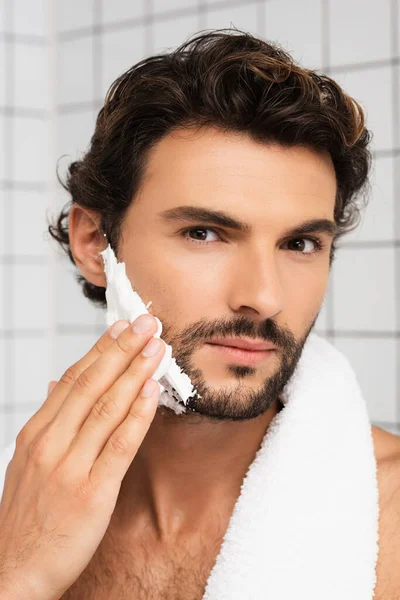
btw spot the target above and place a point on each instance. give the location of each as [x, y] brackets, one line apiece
[387, 568]
[173, 574]
[117, 572]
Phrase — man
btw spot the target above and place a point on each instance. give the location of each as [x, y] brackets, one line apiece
[203, 182]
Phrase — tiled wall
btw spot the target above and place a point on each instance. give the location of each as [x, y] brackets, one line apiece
[25, 159]
[57, 60]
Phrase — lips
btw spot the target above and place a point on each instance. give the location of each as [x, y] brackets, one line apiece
[241, 356]
[243, 344]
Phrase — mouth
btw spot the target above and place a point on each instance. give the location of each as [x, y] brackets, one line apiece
[241, 355]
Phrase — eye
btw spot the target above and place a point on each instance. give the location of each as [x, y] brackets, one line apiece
[198, 231]
[318, 245]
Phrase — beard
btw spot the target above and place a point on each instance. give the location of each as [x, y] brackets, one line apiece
[238, 402]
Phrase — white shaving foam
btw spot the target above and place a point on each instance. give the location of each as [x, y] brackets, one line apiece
[124, 303]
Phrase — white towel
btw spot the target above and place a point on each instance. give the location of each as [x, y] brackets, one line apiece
[305, 525]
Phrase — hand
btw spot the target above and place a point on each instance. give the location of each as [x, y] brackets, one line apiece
[62, 483]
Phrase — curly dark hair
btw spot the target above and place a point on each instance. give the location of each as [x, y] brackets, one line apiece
[227, 79]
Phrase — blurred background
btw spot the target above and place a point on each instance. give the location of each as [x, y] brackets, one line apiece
[57, 60]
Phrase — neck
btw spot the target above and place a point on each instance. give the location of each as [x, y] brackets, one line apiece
[183, 467]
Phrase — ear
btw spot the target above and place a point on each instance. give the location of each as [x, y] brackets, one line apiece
[86, 243]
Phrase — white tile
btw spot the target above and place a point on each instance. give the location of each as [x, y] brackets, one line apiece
[363, 289]
[169, 35]
[72, 307]
[8, 435]
[303, 43]
[69, 349]
[74, 131]
[3, 248]
[31, 296]
[121, 50]
[61, 196]
[31, 150]
[30, 225]
[4, 428]
[31, 371]
[160, 6]
[396, 133]
[4, 271]
[394, 428]
[359, 31]
[75, 14]
[322, 322]
[3, 89]
[397, 259]
[243, 17]
[31, 17]
[74, 81]
[373, 361]
[2, 153]
[2, 16]
[31, 77]
[372, 88]
[2, 373]
[120, 10]
[16, 422]
[377, 220]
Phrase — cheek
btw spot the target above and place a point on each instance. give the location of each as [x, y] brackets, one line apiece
[179, 295]
[304, 296]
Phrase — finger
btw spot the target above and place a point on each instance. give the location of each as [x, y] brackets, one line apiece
[51, 386]
[112, 408]
[95, 381]
[121, 448]
[41, 419]
[46, 413]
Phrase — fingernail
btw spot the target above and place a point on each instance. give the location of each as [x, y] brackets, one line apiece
[149, 388]
[143, 324]
[152, 347]
[118, 327]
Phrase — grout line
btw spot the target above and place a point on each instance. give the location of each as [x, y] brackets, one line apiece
[24, 38]
[53, 183]
[202, 8]
[7, 334]
[261, 19]
[97, 57]
[394, 42]
[149, 43]
[365, 334]
[23, 259]
[3, 233]
[17, 111]
[326, 38]
[9, 358]
[22, 186]
[330, 314]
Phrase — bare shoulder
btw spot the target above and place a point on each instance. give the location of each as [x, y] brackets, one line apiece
[387, 452]
[386, 444]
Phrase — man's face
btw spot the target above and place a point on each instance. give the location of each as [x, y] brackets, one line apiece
[208, 280]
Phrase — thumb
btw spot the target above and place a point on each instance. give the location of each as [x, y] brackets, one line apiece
[51, 386]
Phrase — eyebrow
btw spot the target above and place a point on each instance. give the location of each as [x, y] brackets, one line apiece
[200, 214]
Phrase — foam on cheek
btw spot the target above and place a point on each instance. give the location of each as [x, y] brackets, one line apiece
[124, 303]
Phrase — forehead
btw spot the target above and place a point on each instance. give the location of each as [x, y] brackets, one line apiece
[210, 165]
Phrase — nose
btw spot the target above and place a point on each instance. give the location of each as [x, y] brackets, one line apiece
[256, 286]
